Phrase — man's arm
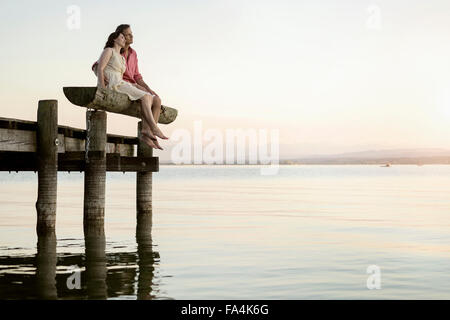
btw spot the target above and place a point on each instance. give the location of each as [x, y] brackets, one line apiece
[94, 69]
[140, 81]
[104, 58]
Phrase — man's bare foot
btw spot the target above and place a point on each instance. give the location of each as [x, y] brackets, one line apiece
[153, 139]
[158, 132]
[148, 141]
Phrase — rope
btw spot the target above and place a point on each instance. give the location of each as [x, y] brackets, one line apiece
[88, 133]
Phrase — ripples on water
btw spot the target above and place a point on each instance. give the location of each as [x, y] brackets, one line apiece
[228, 232]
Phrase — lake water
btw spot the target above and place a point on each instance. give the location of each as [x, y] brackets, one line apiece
[228, 232]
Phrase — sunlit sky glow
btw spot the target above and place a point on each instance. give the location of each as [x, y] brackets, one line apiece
[316, 70]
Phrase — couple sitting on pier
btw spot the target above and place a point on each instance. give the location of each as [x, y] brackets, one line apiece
[117, 69]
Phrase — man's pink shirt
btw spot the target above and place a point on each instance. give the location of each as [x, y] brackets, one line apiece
[132, 72]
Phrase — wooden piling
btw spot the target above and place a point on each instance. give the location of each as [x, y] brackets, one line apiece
[47, 164]
[143, 179]
[95, 171]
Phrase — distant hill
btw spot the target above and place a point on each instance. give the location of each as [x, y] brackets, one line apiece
[393, 156]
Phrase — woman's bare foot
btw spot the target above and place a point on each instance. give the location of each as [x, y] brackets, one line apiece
[153, 139]
[158, 132]
[148, 134]
[148, 141]
[157, 144]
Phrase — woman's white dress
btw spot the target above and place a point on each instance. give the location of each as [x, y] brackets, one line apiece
[114, 70]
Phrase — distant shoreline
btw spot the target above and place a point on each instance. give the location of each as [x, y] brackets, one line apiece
[329, 162]
[361, 158]
[380, 161]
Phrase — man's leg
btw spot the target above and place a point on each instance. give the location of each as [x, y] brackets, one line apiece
[156, 108]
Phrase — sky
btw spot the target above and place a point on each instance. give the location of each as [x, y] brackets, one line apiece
[331, 76]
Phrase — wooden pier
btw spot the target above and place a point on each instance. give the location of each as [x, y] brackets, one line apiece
[46, 148]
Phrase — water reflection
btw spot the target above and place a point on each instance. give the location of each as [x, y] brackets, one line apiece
[146, 257]
[46, 266]
[104, 273]
[96, 271]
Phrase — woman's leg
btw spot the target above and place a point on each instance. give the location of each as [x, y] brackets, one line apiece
[146, 133]
[147, 117]
[146, 112]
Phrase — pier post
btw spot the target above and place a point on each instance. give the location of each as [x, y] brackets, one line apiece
[47, 163]
[95, 170]
[143, 179]
[94, 204]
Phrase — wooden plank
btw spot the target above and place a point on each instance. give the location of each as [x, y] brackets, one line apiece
[9, 123]
[122, 149]
[115, 138]
[75, 161]
[73, 144]
[17, 140]
[80, 156]
[112, 101]
[135, 164]
[77, 133]
[25, 141]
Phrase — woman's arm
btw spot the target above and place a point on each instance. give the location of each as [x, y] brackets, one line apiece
[104, 58]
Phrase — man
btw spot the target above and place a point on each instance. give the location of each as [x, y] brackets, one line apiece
[132, 74]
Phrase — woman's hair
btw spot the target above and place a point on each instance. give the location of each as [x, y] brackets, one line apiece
[110, 42]
[113, 36]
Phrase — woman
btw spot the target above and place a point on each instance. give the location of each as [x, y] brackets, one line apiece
[112, 65]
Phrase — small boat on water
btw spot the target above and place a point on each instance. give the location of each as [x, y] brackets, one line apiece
[386, 165]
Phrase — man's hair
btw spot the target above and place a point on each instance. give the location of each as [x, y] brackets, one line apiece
[122, 27]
